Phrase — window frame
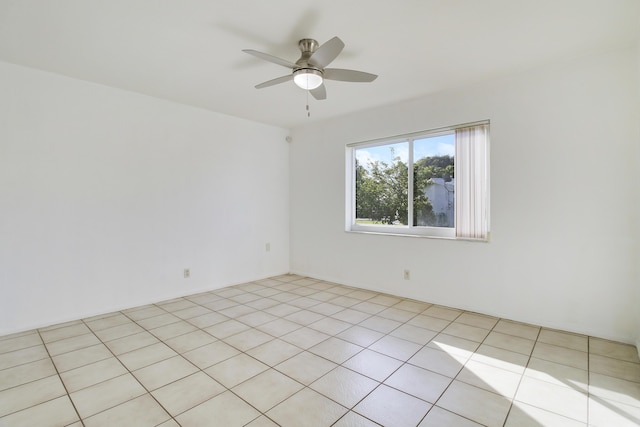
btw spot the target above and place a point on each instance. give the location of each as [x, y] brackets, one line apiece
[409, 229]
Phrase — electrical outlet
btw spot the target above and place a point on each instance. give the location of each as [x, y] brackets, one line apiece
[407, 275]
[187, 273]
[267, 247]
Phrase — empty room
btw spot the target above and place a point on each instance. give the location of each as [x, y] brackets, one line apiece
[296, 213]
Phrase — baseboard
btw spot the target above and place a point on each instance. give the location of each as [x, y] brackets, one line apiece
[506, 316]
[152, 299]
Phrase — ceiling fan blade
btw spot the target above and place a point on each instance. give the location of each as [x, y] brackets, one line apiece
[326, 53]
[319, 93]
[275, 81]
[348, 75]
[270, 58]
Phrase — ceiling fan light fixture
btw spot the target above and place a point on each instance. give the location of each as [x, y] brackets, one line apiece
[307, 78]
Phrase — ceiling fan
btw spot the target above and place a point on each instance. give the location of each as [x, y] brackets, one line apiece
[309, 71]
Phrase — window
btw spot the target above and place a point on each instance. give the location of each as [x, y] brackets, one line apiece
[432, 183]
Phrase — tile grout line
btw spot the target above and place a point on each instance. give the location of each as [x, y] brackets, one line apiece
[380, 383]
[338, 364]
[523, 375]
[303, 350]
[25, 363]
[188, 361]
[452, 379]
[301, 296]
[128, 371]
[60, 378]
[199, 369]
[186, 320]
[404, 362]
[241, 352]
[304, 386]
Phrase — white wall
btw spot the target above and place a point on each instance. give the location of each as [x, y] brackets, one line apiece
[637, 222]
[563, 232]
[106, 195]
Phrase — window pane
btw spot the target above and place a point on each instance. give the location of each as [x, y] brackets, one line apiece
[434, 181]
[382, 184]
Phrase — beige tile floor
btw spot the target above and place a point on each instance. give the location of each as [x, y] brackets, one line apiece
[295, 351]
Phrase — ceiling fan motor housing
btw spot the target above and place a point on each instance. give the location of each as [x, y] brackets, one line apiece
[307, 47]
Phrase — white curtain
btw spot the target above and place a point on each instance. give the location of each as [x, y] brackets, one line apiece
[472, 182]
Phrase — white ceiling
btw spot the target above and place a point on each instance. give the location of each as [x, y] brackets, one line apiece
[189, 51]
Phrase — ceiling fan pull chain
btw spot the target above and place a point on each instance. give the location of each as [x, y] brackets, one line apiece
[308, 112]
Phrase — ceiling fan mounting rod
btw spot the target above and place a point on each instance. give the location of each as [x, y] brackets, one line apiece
[308, 46]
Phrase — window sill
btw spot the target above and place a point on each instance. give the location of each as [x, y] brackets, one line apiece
[386, 233]
[420, 236]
